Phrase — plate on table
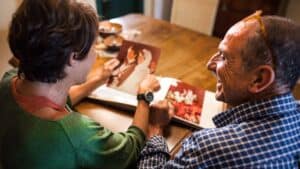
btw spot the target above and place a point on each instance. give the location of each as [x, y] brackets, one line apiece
[107, 28]
[113, 42]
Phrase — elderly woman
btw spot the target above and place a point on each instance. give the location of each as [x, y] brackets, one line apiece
[53, 40]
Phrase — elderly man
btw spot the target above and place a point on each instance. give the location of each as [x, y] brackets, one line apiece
[257, 66]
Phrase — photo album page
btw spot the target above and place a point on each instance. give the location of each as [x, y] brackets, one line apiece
[194, 106]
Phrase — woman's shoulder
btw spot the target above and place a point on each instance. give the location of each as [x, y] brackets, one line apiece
[9, 74]
[5, 92]
[80, 127]
[6, 78]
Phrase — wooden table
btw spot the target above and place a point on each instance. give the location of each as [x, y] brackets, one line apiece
[184, 54]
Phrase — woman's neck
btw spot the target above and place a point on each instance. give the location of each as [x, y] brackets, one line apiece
[56, 92]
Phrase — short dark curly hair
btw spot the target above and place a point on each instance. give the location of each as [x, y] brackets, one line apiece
[44, 33]
[283, 37]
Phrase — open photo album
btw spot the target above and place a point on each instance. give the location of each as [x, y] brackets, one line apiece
[194, 107]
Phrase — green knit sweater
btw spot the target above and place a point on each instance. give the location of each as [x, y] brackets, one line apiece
[28, 142]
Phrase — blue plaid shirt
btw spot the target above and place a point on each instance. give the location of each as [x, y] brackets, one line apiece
[260, 134]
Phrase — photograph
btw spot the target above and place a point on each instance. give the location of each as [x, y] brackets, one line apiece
[136, 61]
[187, 101]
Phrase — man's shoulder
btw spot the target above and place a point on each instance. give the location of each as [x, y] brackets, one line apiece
[211, 144]
[216, 138]
[215, 133]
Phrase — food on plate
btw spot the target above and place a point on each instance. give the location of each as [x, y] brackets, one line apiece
[113, 42]
[107, 28]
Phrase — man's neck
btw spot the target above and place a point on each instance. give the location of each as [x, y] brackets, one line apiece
[272, 91]
[268, 93]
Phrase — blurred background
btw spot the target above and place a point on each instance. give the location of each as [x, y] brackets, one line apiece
[211, 17]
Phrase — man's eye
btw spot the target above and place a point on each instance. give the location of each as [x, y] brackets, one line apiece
[221, 56]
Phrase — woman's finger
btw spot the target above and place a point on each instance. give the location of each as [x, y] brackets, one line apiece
[111, 64]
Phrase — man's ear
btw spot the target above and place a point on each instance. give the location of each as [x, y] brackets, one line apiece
[262, 77]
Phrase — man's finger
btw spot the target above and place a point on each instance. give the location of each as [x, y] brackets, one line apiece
[171, 109]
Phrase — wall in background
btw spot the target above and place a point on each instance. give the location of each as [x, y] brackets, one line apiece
[195, 15]
[108, 9]
[158, 9]
[91, 2]
[162, 9]
[7, 8]
[293, 10]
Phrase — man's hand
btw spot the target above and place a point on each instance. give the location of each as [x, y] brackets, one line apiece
[160, 116]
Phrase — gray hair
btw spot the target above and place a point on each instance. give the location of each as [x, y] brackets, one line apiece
[283, 39]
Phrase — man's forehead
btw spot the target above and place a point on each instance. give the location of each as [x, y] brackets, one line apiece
[236, 29]
[242, 27]
[239, 31]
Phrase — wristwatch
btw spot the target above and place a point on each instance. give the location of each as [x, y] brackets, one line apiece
[147, 97]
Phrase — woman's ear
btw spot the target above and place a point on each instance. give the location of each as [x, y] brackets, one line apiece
[262, 77]
[72, 59]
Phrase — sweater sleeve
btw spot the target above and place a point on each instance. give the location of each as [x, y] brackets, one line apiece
[9, 74]
[98, 147]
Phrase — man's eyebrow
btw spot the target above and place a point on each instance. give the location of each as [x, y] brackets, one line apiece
[221, 49]
[224, 52]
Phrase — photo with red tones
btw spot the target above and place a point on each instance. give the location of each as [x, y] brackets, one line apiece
[187, 101]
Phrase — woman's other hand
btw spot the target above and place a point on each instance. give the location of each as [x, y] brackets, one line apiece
[150, 83]
[104, 72]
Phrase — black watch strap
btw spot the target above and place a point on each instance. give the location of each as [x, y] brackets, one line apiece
[147, 97]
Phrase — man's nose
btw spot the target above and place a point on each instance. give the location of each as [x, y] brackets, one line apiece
[211, 64]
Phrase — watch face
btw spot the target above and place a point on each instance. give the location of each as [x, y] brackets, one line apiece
[149, 96]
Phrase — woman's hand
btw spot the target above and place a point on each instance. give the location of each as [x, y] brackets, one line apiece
[104, 72]
[150, 83]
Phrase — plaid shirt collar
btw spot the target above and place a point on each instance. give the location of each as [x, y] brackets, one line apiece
[277, 105]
